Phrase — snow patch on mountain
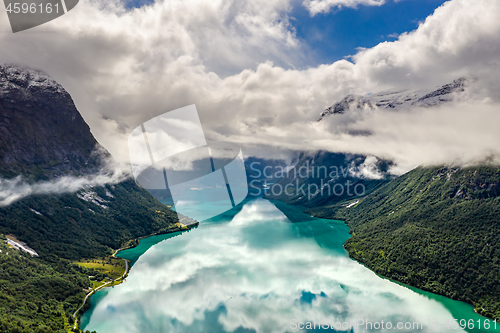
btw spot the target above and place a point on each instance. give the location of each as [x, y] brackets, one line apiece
[91, 196]
[401, 99]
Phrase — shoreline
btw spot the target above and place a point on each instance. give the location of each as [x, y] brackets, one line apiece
[393, 280]
[455, 310]
[410, 286]
[121, 279]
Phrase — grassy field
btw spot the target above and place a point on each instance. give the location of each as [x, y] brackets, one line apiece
[110, 267]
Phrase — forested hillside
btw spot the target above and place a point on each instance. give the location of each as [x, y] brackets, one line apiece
[38, 295]
[437, 229]
[88, 223]
[42, 138]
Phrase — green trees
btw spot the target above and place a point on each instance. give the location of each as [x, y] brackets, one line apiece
[437, 229]
[41, 294]
[72, 228]
[36, 295]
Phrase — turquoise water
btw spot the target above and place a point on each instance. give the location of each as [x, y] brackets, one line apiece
[253, 270]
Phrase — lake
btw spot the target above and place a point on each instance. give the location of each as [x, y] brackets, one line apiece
[264, 267]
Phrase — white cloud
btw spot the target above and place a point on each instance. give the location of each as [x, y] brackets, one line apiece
[458, 39]
[12, 190]
[324, 6]
[457, 133]
[368, 169]
[125, 67]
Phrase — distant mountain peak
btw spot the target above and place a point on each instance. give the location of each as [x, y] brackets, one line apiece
[400, 99]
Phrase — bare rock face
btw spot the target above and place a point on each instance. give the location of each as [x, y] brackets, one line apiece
[400, 99]
[42, 134]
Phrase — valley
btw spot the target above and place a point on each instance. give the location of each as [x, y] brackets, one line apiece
[433, 228]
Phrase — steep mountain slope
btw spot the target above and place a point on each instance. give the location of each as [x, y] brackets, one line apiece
[41, 132]
[88, 223]
[400, 99]
[433, 228]
[437, 229]
[43, 137]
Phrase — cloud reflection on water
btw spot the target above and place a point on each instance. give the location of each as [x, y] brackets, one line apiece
[251, 275]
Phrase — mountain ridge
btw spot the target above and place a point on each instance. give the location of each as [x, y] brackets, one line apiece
[435, 228]
[324, 178]
[397, 99]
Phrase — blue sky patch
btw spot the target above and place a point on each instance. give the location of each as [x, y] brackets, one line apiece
[333, 36]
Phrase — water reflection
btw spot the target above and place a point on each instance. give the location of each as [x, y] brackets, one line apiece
[256, 272]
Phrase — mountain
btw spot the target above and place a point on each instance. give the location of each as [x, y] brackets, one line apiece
[400, 98]
[349, 170]
[44, 137]
[434, 228]
[42, 134]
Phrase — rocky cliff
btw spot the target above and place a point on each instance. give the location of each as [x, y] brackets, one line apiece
[42, 134]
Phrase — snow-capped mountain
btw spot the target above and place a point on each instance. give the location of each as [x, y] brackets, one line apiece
[400, 99]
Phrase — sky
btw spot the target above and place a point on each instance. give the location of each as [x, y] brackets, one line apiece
[260, 72]
[339, 33]
[336, 34]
